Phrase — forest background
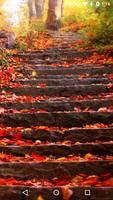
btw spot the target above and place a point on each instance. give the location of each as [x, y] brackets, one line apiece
[30, 20]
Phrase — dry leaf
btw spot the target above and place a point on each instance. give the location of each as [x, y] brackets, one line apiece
[34, 73]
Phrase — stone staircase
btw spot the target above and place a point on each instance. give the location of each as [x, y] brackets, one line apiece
[60, 113]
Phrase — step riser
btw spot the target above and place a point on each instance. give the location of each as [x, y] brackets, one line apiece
[56, 119]
[68, 77]
[92, 71]
[59, 150]
[60, 91]
[76, 135]
[72, 66]
[52, 169]
[86, 135]
[59, 54]
[89, 135]
[59, 106]
[60, 82]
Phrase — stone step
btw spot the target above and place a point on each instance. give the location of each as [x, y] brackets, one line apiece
[61, 105]
[88, 70]
[47, 51]
[62, 91]
[60, 119]
[65, 76]
[54, 53]
[66, 81]
[59, 150]
[82, 135]
[74, 135]
[48, 170]
[88, 135]
[53, 61]
[72, 66]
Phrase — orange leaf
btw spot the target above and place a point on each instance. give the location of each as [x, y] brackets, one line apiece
[108, 182]
[92, 180]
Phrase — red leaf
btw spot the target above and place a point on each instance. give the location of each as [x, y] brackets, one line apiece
[108, 182]
[38, 157]
[61, 182]
[1, 132]
[47, 183]
[42, 85]
[17, 136]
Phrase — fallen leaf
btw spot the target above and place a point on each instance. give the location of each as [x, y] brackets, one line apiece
[108, 182]
[38, 157]
[104, 109]
[34, 73]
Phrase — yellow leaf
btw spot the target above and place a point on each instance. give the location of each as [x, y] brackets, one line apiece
[34, 73]
[62, 158]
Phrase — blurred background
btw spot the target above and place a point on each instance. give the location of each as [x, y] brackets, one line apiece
[27, 18]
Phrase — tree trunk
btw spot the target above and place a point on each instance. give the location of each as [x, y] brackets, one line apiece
[31, 10]
[10, 40]
[62, 8]
[53, 21]
[39, 7]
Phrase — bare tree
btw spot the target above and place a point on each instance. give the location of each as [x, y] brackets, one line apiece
[39, 7]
